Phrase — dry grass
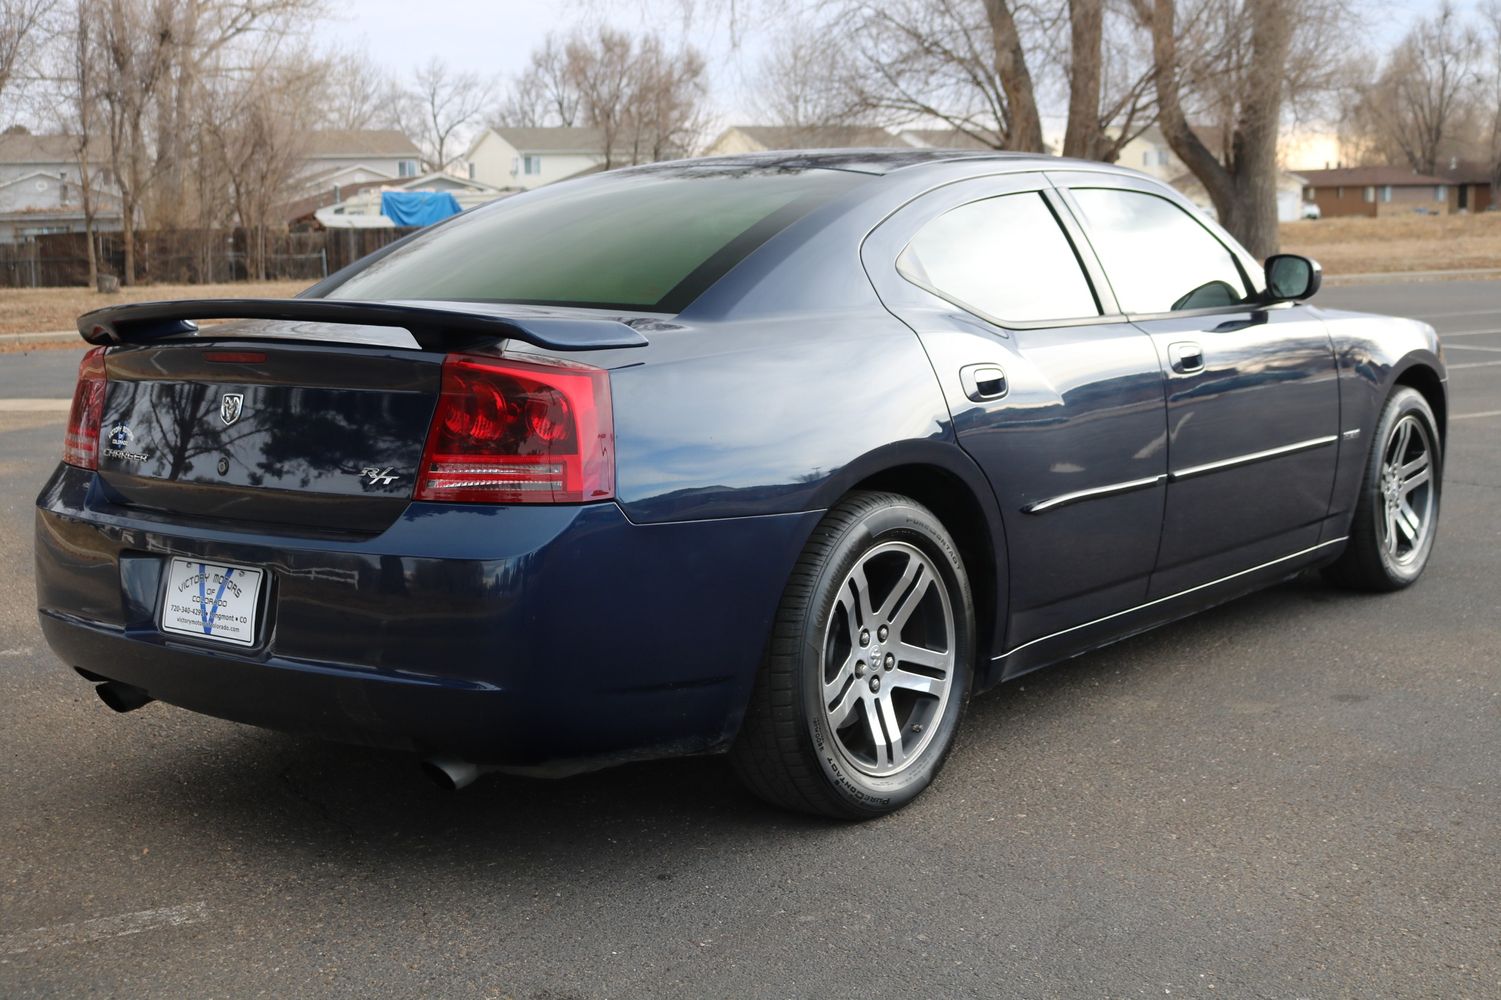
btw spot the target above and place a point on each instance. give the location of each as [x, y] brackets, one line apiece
[1398, 243]
[37, 310]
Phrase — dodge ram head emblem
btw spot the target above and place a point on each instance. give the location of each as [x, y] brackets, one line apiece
[231, 407]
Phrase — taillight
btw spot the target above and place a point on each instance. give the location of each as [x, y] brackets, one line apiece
[508, 431]
[81, 444]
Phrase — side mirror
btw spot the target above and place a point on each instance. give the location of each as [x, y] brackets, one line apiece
[1290, 277]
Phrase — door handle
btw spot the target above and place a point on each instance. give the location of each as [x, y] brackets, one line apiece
[983, 382]
[1186, 357]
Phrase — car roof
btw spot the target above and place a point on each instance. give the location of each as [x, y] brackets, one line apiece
[876, 161]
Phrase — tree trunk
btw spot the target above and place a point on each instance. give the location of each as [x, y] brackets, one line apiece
[1081, 137]
[1022, 130]
[1244, 191]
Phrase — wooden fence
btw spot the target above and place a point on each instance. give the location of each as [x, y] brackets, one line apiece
[187, 256]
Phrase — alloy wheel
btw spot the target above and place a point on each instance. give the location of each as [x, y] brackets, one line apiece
[1406, 489]
[888, 659]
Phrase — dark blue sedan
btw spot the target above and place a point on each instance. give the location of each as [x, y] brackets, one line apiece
[781, 455]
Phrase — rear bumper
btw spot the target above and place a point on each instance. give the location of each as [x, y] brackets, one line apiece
[547, 637]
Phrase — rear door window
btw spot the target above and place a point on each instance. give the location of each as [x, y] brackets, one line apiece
[1157, 256]
[1005, 258]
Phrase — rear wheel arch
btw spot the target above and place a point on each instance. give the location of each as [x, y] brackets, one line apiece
[962, 510]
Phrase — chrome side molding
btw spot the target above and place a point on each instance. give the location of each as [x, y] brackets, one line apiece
[1256, 456]
[1090, 494]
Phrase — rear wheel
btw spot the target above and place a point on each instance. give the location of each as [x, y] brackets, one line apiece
[868, 669]
[1396, 516]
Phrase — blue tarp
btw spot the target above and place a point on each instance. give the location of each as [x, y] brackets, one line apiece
[418, 208]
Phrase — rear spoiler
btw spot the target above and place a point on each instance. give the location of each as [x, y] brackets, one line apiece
[434, 326]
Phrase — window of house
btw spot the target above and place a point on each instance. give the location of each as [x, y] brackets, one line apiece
[406, 168]
[1370, 194]
[1158, 257]
[1440, 193]
[1386, 192]
[532, 164]
[1003, 257]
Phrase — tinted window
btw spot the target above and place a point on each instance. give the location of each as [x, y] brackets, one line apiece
[1005, 257]
[651, 240]
[1158, 257]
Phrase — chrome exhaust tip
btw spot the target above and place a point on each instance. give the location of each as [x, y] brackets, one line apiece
[122, 697]
[450, 773]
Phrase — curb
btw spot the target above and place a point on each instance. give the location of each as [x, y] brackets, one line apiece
[50, 337]
[1398, 277]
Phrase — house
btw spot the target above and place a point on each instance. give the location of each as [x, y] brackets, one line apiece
[1470, 188]
[360, 208]
[336, 158]
[739, 139]
[1150, 153]
[41, 191]
[530, 157]
[1375, 191]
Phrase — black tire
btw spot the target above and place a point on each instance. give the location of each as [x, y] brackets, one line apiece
[1368, 561]
[789, 751]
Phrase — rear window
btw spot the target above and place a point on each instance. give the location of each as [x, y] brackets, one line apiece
[651, 241]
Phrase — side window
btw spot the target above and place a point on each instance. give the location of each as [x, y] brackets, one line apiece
[1004, 257]
[1158, 257]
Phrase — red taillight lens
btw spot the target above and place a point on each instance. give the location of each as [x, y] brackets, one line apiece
[81, 445]
[510, 431]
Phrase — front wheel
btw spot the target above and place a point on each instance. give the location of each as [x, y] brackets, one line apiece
[868, 668]
[1396, 516]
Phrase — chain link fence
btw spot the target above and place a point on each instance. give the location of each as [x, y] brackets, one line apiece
[189, 257]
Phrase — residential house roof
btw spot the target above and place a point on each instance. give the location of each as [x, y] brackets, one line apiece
[1382, 176]
[821, 137]
[359, 142]
[941, 138]
[40, 149]
[556, 139]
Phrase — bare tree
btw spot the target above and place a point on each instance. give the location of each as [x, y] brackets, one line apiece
[803, 82]
[352, 95]
[1415, 104]
[22, 24]
[544, 93]
[440, 104]
[1491, 95]
[645, 99]
[80, 105]
[258, 133]
[136, 40]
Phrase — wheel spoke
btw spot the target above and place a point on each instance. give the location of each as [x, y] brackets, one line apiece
[862, 594]
[1403, 437]
[921, 683]
[1408, 521]
[923, 657]
[912, 569]
[851, 617]
[1412, 482]
[841, 709]
[895, 746]
[833, 688]
[913, 599]
[1391, 531]
[1417, 465]
[879, 743]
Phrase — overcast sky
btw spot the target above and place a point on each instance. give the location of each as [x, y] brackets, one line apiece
[496, 37]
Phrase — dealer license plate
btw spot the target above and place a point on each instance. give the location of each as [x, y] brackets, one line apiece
[212, 601]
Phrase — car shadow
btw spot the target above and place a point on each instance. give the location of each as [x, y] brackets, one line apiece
[260, 792]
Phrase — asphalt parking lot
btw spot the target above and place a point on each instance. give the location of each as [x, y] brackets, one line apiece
[1296, 795]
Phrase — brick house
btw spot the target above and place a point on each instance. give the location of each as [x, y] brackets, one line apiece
[1375, 191]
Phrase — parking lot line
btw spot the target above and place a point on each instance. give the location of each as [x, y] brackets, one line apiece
[1472, 347]
[103, 927]
[1467, 333]
[1475, 364]
[1476, 416]
[35, 405]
